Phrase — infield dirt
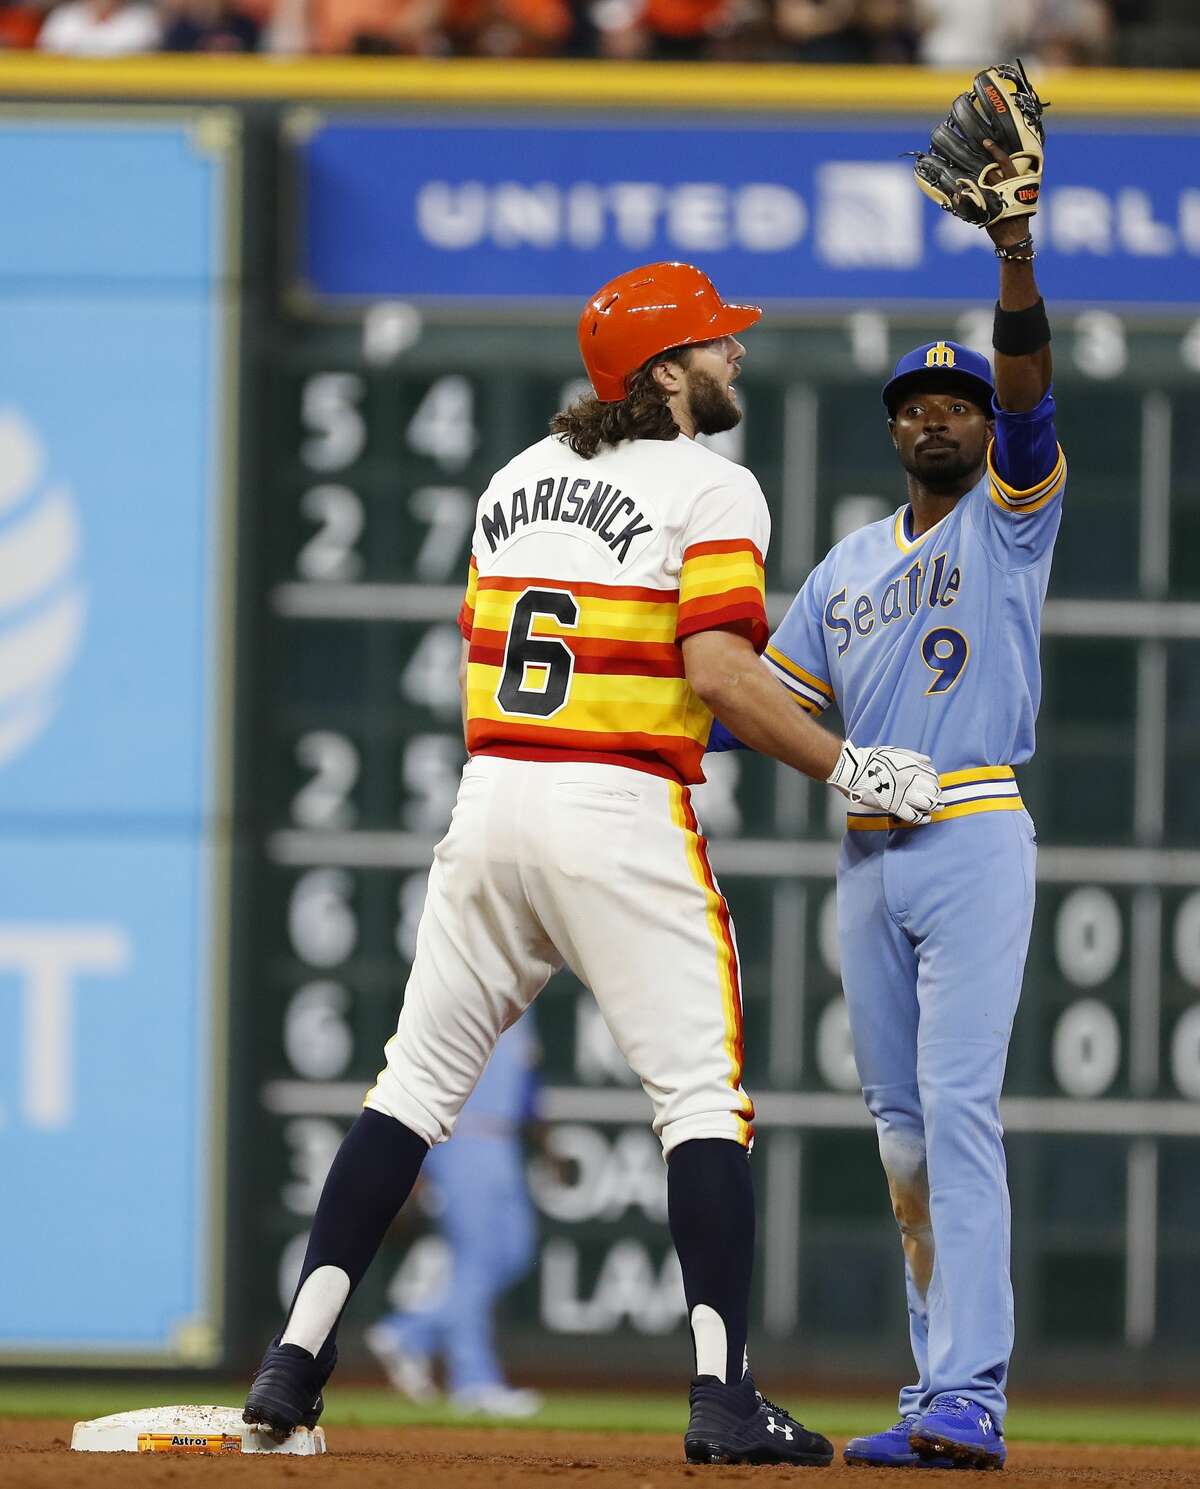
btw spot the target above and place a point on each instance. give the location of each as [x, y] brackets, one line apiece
[35, 1455]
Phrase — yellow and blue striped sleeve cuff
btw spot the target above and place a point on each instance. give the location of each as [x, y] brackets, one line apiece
[810, 691]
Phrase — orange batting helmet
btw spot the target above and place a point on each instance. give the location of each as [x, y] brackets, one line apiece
[645, 311]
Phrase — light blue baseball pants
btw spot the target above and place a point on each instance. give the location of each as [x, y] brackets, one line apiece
[933, 927]
[489, 1223]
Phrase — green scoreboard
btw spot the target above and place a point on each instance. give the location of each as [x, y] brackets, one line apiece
[372, 435]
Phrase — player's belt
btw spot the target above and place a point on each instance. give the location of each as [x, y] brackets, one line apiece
[983, 788]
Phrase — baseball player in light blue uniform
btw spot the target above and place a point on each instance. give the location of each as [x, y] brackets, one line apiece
[924, 629]
[487, 1218]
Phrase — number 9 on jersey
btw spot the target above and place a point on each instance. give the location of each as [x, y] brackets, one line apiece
[944, 651]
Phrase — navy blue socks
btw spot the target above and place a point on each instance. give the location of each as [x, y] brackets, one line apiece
[371, 1177]
[710, 1206]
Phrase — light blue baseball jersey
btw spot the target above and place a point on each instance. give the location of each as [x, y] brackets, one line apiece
[931, 642]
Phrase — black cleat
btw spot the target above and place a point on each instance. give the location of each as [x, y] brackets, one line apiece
[286, 1390]
[734, 1424]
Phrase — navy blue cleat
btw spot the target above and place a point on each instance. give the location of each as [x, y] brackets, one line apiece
[286, 1390]
[734, 1424]
[958, 1430]
[890, 1449]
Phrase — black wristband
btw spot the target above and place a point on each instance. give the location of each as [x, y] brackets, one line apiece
[1020, 333]
[1021, 252]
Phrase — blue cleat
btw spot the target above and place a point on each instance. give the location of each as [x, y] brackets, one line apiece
[889, 1449]
[957, 1430]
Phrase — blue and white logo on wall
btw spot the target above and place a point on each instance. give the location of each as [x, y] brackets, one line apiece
[43, 603]
[786, 209]
[111, 546]
[868, 215]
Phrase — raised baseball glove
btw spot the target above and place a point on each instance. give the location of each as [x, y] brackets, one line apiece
[960, 175]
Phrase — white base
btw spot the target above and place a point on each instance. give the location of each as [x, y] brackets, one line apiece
[190, 1430]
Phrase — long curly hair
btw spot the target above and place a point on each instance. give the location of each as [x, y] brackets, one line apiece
[587, 424]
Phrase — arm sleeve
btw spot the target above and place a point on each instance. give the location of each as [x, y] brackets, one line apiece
[720, 740]
[721, 579]
[466, 611]
[1026, 477]
[1026, 449]
[796, 654]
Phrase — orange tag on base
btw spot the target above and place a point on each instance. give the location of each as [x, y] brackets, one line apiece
[180, 1442]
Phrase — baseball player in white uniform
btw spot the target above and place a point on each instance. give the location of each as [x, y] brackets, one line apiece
[615, 604]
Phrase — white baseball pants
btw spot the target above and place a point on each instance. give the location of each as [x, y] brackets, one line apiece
[603, 869]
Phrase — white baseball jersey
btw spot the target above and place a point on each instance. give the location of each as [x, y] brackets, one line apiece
[585, 576]
[573, 838]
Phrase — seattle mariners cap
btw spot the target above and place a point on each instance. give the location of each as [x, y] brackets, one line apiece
[938, 359]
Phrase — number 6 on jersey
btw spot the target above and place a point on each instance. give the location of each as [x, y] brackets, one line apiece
[537, 669]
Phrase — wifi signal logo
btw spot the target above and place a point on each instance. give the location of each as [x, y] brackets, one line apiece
[868, 216]
[43, 603]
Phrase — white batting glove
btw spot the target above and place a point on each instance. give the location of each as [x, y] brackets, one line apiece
[899, 782]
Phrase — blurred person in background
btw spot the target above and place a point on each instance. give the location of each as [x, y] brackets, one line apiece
[19, 27]
[208, 26]
[675, 30]
[682, 30]
[1064, 33]
[486, 1215]
[859, 32]
[1045, 33]
[963, 34]
[818, 30]
[889, 31]
[362, 27]
[513, 28]
[632, 30]
[618, 33]
[101, 28]
[488, 28]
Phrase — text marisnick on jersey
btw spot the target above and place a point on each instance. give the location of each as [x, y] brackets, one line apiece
[579, 501]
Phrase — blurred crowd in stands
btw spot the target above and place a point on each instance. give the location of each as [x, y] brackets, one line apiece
[940, 33]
